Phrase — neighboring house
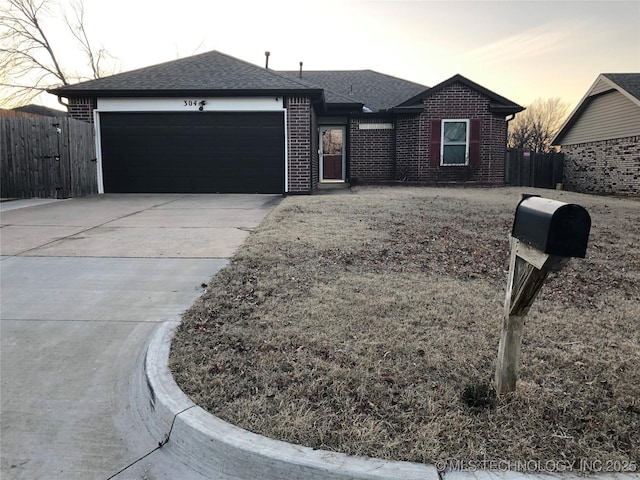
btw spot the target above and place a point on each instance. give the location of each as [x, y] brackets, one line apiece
[213, 123]
[40, 110]
[31, 111]
[601, 138]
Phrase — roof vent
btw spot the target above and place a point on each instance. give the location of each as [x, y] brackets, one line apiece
[266, 62]
[300, 69]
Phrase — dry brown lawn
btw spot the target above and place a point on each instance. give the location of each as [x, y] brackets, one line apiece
[368, 323]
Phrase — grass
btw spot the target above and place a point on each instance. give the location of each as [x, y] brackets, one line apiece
[368, 323]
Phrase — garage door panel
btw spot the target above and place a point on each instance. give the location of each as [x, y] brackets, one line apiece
[196, 152]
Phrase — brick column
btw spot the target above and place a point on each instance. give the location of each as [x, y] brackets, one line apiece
[299, 144]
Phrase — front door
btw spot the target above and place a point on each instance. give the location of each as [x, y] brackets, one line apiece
[332, 154]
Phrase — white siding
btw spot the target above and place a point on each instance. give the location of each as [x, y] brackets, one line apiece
[608, 116]
[601, 86]
[191, 104]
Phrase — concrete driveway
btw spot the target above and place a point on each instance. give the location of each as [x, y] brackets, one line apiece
[84, 284]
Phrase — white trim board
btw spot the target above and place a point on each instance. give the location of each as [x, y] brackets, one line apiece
[98, 142]
[286, 152]
[191, 104]
[375, 126]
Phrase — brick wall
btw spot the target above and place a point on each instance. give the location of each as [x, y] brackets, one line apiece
[492, 168]
[372, 145]
[458, 101]
[82, 108]
[605, 167]
[409, 145]
[299, 116]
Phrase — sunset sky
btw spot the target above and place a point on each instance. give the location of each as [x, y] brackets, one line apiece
[520, 49]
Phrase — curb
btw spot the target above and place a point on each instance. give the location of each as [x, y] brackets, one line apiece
[217, 449]
[211, 446]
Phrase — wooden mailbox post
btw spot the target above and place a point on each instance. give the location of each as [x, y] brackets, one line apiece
[545, 234]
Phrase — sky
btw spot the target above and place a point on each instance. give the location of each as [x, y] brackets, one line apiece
[521, 50]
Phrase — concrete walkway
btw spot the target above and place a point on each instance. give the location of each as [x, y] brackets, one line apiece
[84, 285]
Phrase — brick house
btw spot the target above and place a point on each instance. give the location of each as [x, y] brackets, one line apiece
[601, 138]
[213, 123]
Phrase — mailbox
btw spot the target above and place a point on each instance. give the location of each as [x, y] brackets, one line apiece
[553, 227]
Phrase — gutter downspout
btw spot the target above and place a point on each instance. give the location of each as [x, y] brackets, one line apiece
[507, 120]
[63, 104]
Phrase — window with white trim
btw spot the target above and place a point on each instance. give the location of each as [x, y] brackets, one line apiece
[454, 145]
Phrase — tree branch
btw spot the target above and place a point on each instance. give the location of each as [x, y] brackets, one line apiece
[28, 59]
[535, 127]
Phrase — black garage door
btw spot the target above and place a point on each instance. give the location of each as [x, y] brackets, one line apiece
[206, 152]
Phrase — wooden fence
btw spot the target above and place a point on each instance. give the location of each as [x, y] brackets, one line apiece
[47, 157]
[530, 169]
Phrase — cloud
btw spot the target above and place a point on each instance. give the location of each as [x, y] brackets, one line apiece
[529, 44]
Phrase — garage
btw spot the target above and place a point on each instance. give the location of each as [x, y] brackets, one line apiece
[192, 152]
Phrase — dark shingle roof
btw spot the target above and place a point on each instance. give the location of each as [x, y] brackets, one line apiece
[376, 91]
[208, 72]
[630, 82]
[215, 73]
[40, 110]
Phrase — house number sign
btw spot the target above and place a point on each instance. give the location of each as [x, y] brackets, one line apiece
[195, 103]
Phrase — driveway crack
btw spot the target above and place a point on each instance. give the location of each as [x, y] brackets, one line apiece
[160, 445]
[95, 226]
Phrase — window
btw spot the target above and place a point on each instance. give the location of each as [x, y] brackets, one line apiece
[455, 142]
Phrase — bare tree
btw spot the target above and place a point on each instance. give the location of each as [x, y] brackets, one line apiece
[95, 58]
[535, 127]
[29, 63]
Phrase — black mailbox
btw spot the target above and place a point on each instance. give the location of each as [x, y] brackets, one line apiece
[554, 227]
